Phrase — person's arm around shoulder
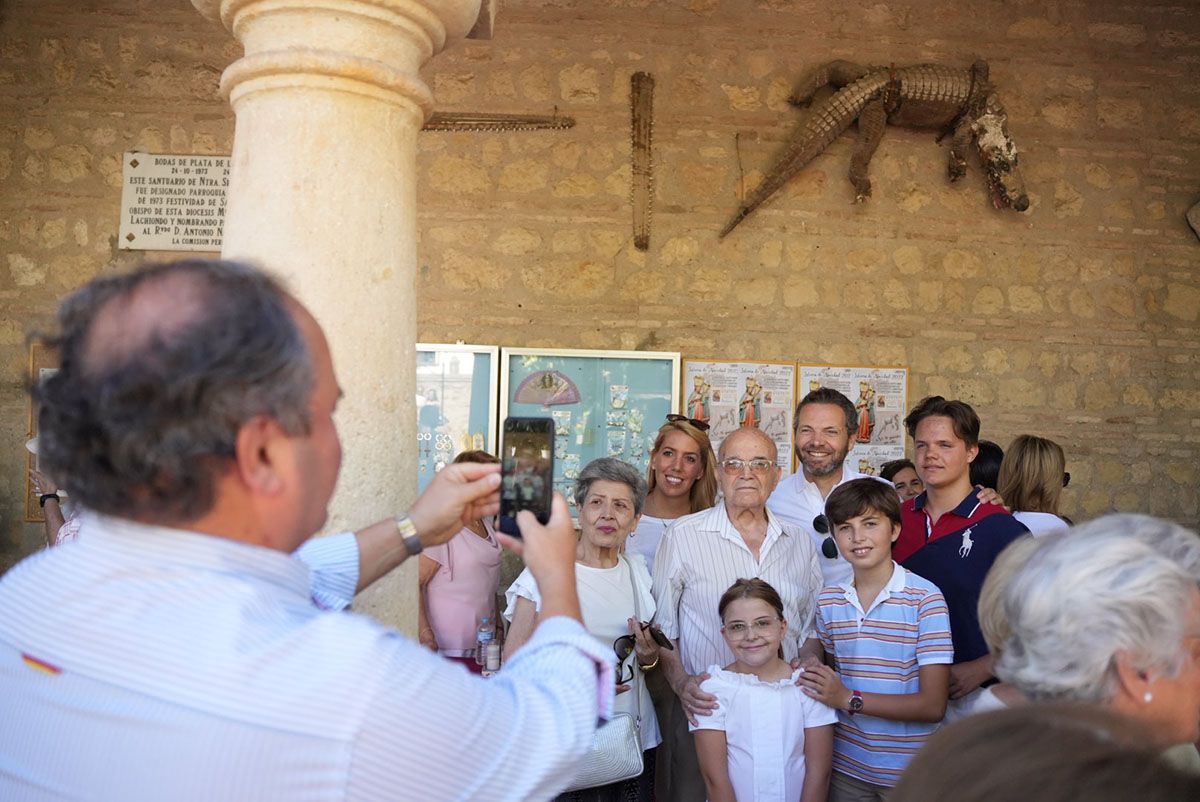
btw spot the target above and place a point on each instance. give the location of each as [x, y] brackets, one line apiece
[934, 652]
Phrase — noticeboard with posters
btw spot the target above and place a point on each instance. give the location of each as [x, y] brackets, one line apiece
[603, 403]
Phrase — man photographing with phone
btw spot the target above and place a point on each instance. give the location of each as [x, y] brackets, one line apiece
[174, 651]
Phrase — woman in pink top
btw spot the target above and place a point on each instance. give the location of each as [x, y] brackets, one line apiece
[459, 580]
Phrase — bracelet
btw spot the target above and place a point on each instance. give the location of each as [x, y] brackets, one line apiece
[647, 668]
[42, 499]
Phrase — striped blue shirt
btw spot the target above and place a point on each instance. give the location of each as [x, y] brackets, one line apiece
[142, 663]
[881, 650]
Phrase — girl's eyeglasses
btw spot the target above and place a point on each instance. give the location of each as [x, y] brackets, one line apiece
[740, 631]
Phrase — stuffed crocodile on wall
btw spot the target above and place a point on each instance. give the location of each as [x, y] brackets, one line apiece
[961, 103]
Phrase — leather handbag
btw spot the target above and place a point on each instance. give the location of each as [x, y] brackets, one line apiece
[616, 753]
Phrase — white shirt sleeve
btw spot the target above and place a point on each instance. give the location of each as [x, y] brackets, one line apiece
[720, 689]
[816, 714]
[643, 582]
[434, 731]
[523, 587]
[668, 584]
[333, 561]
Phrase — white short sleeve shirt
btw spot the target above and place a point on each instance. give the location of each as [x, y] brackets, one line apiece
[764, 724]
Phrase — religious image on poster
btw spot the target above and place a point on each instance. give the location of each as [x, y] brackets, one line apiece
[880, 397]
[727, 395]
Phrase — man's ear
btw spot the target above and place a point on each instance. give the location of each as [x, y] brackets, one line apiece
[972, 453]
[257, 453]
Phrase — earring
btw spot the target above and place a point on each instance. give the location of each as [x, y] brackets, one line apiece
[1148, 697]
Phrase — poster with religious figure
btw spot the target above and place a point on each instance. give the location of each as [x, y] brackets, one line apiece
[880, 397]
[727, 395]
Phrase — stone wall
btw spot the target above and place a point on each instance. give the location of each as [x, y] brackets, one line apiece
[1077, 320]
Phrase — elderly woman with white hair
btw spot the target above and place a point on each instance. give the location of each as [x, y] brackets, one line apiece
[1109, 614]
[614, 598]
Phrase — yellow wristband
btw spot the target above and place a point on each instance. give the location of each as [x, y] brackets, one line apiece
[647, 668]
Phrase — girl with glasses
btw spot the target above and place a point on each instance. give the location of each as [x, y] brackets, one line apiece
[766, 741]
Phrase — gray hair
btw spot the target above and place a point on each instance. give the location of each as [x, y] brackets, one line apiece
[1180, 546]
[158, 370]
[1084, 596]
[610, 469]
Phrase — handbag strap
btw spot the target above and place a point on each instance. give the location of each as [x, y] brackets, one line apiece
[637, 613]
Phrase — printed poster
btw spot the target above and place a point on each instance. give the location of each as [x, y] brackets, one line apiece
[728, 395]
[880, 396]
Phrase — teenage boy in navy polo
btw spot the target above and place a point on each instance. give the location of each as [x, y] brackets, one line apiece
[949, 536]
[887, 634]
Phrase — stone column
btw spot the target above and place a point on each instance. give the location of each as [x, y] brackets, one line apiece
[328, 105]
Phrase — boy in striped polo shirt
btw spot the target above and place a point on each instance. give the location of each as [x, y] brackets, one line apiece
[886, 634]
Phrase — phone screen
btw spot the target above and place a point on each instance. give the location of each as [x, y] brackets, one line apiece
[527, 470]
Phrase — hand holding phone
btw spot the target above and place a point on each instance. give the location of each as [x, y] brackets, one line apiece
[527, 471]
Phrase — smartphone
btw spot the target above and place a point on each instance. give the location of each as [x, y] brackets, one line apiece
[526, 470]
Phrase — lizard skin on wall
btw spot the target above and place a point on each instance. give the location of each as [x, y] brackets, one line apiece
[958, 102]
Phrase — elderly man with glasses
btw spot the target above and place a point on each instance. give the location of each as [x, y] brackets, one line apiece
[699, 557]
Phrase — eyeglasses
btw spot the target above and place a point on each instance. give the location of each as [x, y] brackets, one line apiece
[623, 647]
[821, 524]
[1066, 478]
[702, 425]
[734, 466]
[739, 631]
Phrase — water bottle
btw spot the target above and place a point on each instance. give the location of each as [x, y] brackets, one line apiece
[483, 638]
[493, 659]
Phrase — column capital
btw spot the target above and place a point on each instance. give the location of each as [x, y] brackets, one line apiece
[373, 48]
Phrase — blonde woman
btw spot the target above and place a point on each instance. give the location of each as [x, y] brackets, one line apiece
[681, 478]
[1032, 477]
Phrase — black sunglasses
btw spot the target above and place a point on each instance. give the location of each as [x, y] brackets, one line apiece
[702, 425]
[828, 547]
[623, 647]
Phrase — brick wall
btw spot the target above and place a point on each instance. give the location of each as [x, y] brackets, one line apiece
[1077, 320]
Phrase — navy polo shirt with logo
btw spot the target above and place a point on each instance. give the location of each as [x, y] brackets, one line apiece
[955, 554]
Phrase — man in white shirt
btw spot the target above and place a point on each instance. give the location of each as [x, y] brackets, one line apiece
[825, 427]
[174, 651]
[699, 557]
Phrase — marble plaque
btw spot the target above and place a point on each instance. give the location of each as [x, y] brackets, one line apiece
[173, 202]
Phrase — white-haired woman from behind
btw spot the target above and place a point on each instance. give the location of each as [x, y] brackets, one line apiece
[1109, 614]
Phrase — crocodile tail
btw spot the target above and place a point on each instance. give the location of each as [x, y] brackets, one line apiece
[825, 122]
